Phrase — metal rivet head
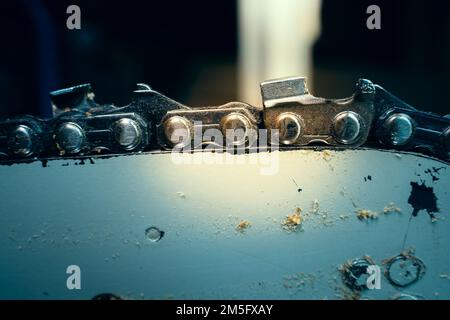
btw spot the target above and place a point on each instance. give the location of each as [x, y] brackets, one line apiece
[347, 127]
[239, 124]
[178, 131]
[21, 141]
[289, 126]
[127, 133]
[400, 129]
[70, 137]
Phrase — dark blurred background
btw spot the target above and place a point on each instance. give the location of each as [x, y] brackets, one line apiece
[190, 51]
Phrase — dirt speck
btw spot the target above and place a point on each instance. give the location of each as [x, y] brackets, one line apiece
[315, 207]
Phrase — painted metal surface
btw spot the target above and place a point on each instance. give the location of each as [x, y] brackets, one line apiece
[144, 227]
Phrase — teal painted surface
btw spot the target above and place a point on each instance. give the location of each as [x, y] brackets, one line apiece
[95, 216]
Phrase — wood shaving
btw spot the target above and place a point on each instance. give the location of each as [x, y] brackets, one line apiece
[243, 225]
[391, 208]
[364, 214]
[292, 221]
[326, 155]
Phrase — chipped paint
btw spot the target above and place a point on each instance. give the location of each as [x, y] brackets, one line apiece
[391, 208]
[423, 198]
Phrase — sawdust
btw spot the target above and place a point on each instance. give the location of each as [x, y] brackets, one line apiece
[364, 214]
[293, 221]
[315, 207]
[391, 208]
[242, 226]
[444, 276]
[326, 155]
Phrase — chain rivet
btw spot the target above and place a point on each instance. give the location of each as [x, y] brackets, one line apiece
[400, 129]
[347, 127]
[127, 133]
[70, 137]
[240, 125]
[289, 126]
[178, 131]
[21, 141]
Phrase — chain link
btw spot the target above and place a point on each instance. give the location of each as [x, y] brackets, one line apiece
[371, 117]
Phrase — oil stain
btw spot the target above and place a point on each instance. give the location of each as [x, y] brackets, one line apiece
[423, 198]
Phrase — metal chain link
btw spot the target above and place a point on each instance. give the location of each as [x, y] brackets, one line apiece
[371, 117]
